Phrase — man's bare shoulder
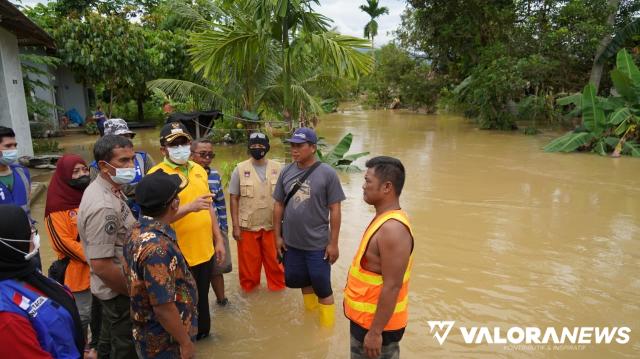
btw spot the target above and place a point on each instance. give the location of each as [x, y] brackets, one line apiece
[394, 231]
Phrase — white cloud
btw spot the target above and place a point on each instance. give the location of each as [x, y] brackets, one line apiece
[346, 16]
[350, 20]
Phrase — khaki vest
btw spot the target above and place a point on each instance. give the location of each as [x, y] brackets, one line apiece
[256, 201]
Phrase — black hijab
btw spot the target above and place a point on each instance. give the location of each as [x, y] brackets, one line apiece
[16, 225]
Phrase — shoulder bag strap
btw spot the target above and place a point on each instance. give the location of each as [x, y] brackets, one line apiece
[299, 182]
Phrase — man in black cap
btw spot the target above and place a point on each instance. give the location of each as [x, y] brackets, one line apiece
[196, 224]
[162, 290]
[251, 187]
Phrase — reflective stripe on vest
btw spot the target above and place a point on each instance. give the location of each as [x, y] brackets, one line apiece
[51, 322]
[138, 162]
[255, 208]
[363, 287]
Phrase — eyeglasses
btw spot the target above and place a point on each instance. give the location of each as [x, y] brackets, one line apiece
[205, 154]
[257, 135]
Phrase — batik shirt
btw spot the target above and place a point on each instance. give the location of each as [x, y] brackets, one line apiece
[215, 186]
[157, 273]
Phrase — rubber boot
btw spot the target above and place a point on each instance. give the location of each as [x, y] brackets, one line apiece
[310, 301]
[327, 315]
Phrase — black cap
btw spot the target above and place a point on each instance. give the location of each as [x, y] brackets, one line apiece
[155, 190]
[259, 138]
[173, 130]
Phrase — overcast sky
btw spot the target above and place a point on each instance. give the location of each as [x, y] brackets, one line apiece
[350, 20]
[346, 16]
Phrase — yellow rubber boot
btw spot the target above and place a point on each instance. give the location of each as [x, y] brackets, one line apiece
[327, 315]
[310, 301]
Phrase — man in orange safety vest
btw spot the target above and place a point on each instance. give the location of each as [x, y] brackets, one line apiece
[376, 294]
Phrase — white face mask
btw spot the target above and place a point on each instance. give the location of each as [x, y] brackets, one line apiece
[179, 154]
[8, 157]
[123, 175]
[27, 256]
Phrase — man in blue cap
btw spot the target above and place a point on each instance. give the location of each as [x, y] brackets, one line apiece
[306, 222]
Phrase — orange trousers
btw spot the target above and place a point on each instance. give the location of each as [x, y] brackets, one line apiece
[255, 249]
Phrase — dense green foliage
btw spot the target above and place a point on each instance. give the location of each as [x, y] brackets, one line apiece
[398, 76]
[508, 60]
[277, 58]
[608, 124]
[107, 51]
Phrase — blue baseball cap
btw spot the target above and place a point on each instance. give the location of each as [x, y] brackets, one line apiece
[302, 135]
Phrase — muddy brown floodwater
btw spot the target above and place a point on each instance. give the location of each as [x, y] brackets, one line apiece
[505, 236]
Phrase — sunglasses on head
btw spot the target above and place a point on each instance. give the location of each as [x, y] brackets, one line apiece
[257, 135]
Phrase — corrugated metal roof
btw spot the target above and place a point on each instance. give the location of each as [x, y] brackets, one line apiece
[27, 32]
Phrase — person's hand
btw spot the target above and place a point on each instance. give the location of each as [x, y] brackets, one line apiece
[90, 354]
[220, 253]
[280, 247]
[236, 233]
[372, 344]
[187, 351]
[201, 203]
[332, 253]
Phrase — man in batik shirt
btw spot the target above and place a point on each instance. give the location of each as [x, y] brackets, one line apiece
[162, 290]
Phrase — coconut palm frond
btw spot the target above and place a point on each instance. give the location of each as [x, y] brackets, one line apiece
[186, 91]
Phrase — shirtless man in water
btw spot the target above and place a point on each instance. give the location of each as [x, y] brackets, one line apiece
[376, 295]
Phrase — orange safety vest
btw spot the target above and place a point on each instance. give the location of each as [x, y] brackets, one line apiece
[364, 287]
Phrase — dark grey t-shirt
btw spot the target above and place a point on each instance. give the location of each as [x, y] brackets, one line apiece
[306, 217]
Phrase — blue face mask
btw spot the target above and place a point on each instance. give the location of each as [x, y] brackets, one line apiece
[179, 154]
[123, 175]
[8, 157]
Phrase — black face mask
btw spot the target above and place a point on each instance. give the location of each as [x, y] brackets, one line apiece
[257, 153]
[80, 183]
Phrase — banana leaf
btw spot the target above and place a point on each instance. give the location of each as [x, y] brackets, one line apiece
[355, 156]
[575, 99]
[623, 85]
[620, 37]
[569, 142]
[340, 149]
[620, 116]
[612, 141]
[600, 148]
[632, 148]
[612, 103]
[625, 64]
[593, 117]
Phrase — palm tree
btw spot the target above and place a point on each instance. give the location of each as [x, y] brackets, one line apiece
[270, 53]
[374, 11]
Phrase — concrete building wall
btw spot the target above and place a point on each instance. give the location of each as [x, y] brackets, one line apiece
[13, 105]
[71, 94]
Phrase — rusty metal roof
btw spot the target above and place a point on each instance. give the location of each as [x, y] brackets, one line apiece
[27, 32]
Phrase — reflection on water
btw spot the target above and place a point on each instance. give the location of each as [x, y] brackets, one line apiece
[506, 235]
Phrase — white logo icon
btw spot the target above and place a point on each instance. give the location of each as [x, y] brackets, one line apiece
[441, 325]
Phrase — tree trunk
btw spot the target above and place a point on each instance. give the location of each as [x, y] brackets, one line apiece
[598, 65]
[110, 101]
[286, 69]
[140, 102]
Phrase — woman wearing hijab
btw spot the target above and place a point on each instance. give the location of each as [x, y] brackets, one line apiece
[38, 317]
[60, 215]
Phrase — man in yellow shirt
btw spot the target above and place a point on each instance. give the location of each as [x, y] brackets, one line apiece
[196, 225]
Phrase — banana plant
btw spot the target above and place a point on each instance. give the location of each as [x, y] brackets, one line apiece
[608, 124]
[338, 158]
